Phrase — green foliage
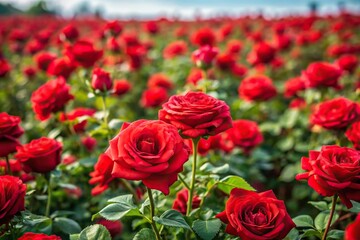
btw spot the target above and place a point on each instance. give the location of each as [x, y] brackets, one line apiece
[208, 229]
[172, 218]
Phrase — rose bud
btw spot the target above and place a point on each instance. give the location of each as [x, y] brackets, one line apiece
[89, 143]
[204, 56]
[257, 88]
[121, 87]
[10, 131]
[180, 202]
[101, 80]
[38, 236]
[29, 72]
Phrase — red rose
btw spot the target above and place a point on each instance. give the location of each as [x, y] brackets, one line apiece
[234, 46]
[51, 97]
[347, 62]
[333, 170]
[69, 32]
[257, 88]
[151, 27]
[262, 53]
[322, 74]
[174, 49]
[150, 151]
[245, 134]
[194, 76]
[352, 231]
[29, 72]
[203, 36]
[113, 28]
[44, 59]
[180, 202]
[337, 113]
[89, 143]
[101, 80]
[61, 67]
[353, 134]
[114, 227]
[101, 174]
[40, 155]
[38, 236]
[293, 86]
[225, 61]
[84, 53]
[10, 131]
[5, 67]
[196, 114]
[160, 80]
[136, 56]
[297, 103]
[239, 70]
[12, 201]
[15, 166]
[154, 97]
[76, 113]
[121, 87]
[256, 216]
[204, 56]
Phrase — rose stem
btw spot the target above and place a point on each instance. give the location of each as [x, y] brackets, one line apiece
[192, 184]
[333, 206]
[183, 182]
[8, 166]
[128, 186]
[48, 204]
[103, 97]
[152, 212]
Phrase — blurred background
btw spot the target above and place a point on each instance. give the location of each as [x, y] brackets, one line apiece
[180, 9]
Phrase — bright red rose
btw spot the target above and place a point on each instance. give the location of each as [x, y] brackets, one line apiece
[101, 80]
[101, 176]
[257, 88]
[174, 49]
[245, 134]
[352, 231]
[348, 62]
[113, 28]
[84, 53]
[333, 170]
[322, 74]
[293, 86]
[12, 201]
[114, 227]
[203, 36]
[204, 56]
[43, 60]
[5, 67]
[51, 97]
[61, 67]
[180, 202]
[38, 236]
[262, 53]
[256, 216]
[160, 80]
[196, 114]
[69, 32]
[282, 42]
[40, 155]
[10, 131]
[225, 61]
[194, 76]
[154, 97]
[151, 151]
[34, 46]
[121, 87]
[76, 113]
[89, 143]
[337, 113]
[353, 134]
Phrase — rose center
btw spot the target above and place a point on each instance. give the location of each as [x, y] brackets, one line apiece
[147, 145]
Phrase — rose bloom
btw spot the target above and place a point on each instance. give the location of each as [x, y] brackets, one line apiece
[5, 67]
[245, 134]
[337, 113]
[51, 97]
[262, 53]
[297, 103]
[194, 76]
[151, 151]
[151, 27]
[15, 166]
[154, 97]
[203, 36]
[40, 155]
[353, 134]
[136, 55]
[113, 28]
[61, 67]
[101, 80]
[352, 231]
[101, 176]
[225, 61]
[255, 216]
[348, 62]
[322, 74]
[29, 72]
[180, 202]
[12, 201]
[257, 88]
[333, 170]
[160, 80]
[84, 53]
[43, 60]
[76, 113]
[121, 87]
[234, 46]
[10, 131]
[89, 143]
[69, 32]
[293, 86]
[196, 114]
[114, 227]
[204, 56]
[174, 49]
[38, 236]
[239, 70]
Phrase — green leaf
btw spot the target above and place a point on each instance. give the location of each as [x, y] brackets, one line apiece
[228, 183]
[303, 221]
[355, 208]
[115, 124]
[145, 234]
[289, 118]
[322, 219]
[321, 205]
[208, 167]
[172, 218]
[289, 172]
[311, 232]
[335, 234]
[116, 211]
[74, 236]
[67, 225]
[207, 230]
[95, 232]
[292, 235]
[124, 200]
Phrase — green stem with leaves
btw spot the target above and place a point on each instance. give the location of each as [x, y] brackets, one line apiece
[103, 98]
[8, 166]
[152, 214]
[48, 204]
[332, 211]
[195, 143]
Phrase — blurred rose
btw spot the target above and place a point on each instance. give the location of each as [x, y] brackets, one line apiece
[75, 114]
[5, 67]
[160, 80]
[154, 97]
[257, 88]
[353, 134]
[84, 53]
[10, 131]
[180, 202]
[322, 74]
[114, 227]
[203, 36]
[347, 62]
[101, 80]
[352, 231]
[38, 236]
[121, 87]
[174, 49]
[44, 59]
[89, 143]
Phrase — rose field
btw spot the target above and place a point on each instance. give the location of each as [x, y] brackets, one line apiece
[212, 128]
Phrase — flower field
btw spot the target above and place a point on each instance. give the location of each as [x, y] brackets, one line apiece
[224, 128]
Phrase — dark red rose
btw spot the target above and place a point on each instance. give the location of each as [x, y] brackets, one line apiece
[151, 27]
[245, 134]
[204, 56]
[262, 53]
[101, 80]
[5, 67]
[113, 28]
[322, 74]
[160, 80]
[84, 53]
[136, 56]
[10, 131]
[121, 87]
[29, 72]
[113, 45]
[61, 67]
[101, 176]
[348, 62]
[69, 33]
[196, 114]
[34, 46]
[114, 227]
[38, 236]
[352, 231]
[293, 86]
[282, 42]
[225, 61]
[12, 200]
[154, 97]
[76, 113]
[256, 216]
[151, 151]
[234, 46]
[89, 143]
[333, 170]
[180, 202]
[337, 113]
[174, 49]
[353, 134]
[40, 155]
[18, 35]
[257, 88]
[203, 36]
[44, 59]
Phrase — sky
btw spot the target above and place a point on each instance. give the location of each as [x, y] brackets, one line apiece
[187, 8]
